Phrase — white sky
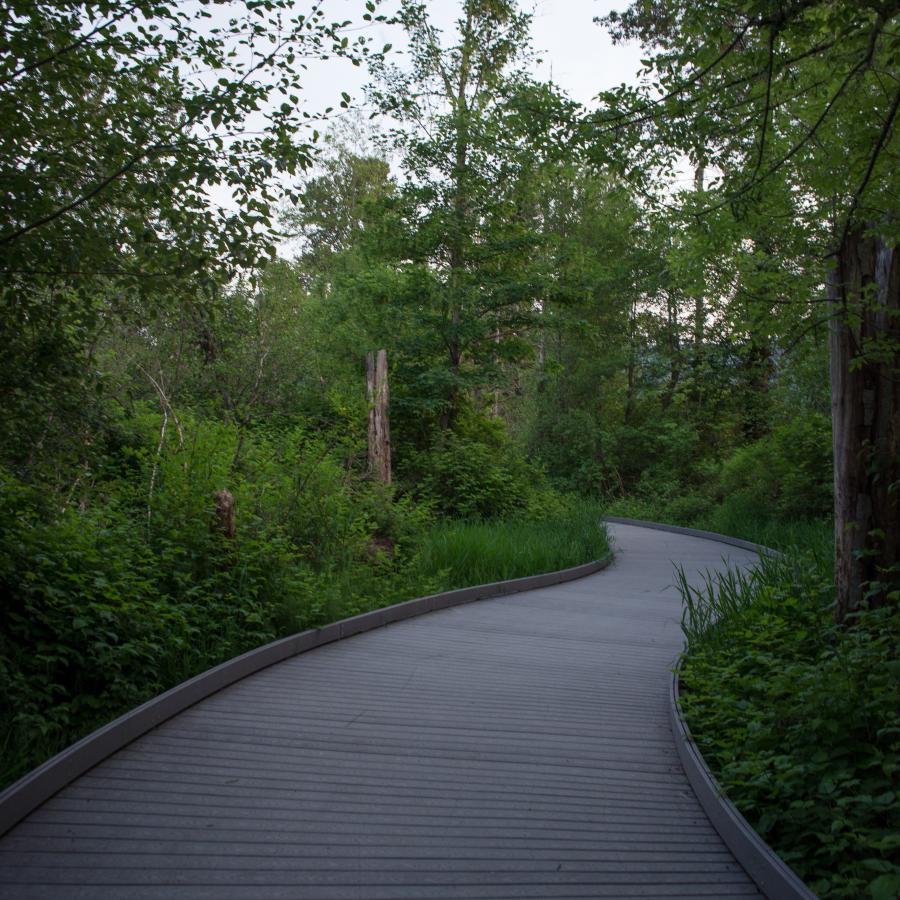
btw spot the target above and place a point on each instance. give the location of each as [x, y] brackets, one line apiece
[577, 53]
[581, 55]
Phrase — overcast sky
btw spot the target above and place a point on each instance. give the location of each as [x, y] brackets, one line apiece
[577, 53]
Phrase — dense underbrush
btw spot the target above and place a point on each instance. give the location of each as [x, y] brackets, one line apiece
[123, 585]
[775, 491]
[799, 719]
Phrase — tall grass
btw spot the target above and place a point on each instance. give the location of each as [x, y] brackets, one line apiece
[744, 520]
[722, 595]
[467, 553]
[709, 608]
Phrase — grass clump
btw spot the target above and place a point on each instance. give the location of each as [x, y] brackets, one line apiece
[466, 553]
[798, 719]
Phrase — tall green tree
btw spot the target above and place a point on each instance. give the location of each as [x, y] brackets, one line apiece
[798, 101]
[119, 119]
[335, 206]
[465, 144]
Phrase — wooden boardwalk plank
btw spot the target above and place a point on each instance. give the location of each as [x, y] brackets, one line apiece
[517, 747]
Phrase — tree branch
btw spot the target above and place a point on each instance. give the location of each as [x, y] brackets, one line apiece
[74, 45]
[883, 136]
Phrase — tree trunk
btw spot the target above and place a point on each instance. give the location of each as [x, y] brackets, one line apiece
[379, 423]
[673, 345]
[225, 513]
[699, 323]
[864, 289]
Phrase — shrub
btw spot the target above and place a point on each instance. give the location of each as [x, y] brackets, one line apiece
[787, 472]
[466, 479]
[798, 719]
[688, 509]
[129, 591]
[572, 445]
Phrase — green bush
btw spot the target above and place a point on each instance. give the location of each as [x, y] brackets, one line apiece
[85, 631]
[467, 479]
[798, 718]
[132, 589]
[654, 459]
[634, 507]
[776, 490]
[788, 473]
[572, 445]
[688, 509]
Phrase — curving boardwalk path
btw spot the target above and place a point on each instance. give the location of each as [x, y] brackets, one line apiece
[508, 748]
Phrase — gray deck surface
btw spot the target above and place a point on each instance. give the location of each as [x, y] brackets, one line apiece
[508, 748]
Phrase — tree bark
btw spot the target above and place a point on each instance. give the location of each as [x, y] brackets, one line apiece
[379, 422]
[699, 323]
[225, 513]
[673, 346]
[864, 290]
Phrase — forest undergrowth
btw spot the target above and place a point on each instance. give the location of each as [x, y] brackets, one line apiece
[132, 587]
[798, 717]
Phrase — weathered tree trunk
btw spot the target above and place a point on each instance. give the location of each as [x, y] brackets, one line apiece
[699, 354]
[673, 345]
[225, 513]
[379, 422]
[864, 289]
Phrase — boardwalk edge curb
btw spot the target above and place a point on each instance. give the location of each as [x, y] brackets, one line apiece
[696, 532]
[772, 874]
[25, 795]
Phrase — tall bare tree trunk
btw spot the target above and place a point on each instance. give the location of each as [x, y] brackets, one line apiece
[379, 423]
[225, 513]
[864, 290]
[673, 345]
[699, 314]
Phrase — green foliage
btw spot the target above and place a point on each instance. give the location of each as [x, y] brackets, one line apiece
[131, 588]
[624, 352]
[476, 476]
[481, 552]
[798, 718]
[125, 585]
[775, 490]
[473, 130]
[787, 472]
[335, 206]
[114, 139]
[111, 141]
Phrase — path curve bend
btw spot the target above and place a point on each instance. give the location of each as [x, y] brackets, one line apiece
[516, 747]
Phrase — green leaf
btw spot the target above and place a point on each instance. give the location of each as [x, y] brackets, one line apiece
[885, 887]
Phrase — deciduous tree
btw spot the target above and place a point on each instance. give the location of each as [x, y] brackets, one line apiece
[799, 100]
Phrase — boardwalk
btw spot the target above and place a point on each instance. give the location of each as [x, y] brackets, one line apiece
[509, 748]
